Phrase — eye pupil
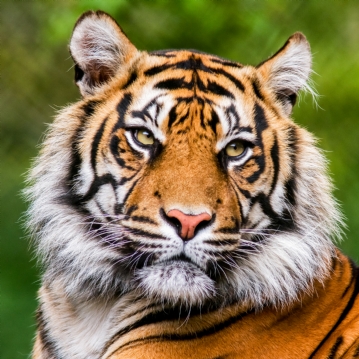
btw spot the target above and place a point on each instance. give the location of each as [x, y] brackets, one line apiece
[145, 137]
[235, 148]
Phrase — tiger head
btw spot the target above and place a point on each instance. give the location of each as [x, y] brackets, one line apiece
[180, 176]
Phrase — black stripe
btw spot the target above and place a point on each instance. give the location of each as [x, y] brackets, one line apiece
[146, 245]
[283, 221]
[131, 209]
[213, 121]
[88, 108]
[290, 189]
[355, 274]
[195, 64]
[222, 242]
[334, 349]
[231, 110]
[256, 89]
[76, 159]
[163, 53]
[226, 62]
[164, 317]
[356, 353]
[291, 184]
[275, 159]
[121, 205]
[142, 233]
[201, 118]
[121, 110]
[142, 219]
[133, 77]
[260, 119]
[182, 118]
[260, 161]
[96, 143]
[48, 344]
[174, 84]
[245, 129]
[98, 182]
[219, 90]
[103, 212]
[116, 151]
[233, 230]
[261, 124]
[230, 77]
[157, 69]
[172, 116]
[352, 280]
[144, 113]
[244, 192]
[263, 200]
[124, 180]
[235, 186]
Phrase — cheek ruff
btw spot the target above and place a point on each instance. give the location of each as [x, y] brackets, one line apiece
[178, 182]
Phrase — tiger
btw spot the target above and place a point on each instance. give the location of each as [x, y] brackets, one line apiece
[178, 211]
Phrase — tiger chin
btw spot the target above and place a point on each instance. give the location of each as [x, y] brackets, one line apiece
[179, 212]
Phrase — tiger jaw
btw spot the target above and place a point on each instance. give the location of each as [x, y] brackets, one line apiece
[204, 255]
[178, 282]
[184, 272]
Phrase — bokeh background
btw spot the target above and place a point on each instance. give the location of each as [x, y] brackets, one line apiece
[37, 79]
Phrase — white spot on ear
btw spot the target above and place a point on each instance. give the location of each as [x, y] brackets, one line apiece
[288, 71]
[99, 47]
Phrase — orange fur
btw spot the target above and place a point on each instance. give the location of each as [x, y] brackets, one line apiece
[259, 276]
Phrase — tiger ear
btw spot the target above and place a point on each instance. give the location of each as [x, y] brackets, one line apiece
[287, 71]
[99, 48]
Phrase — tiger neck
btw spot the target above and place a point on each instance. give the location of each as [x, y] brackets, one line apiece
[84, 327]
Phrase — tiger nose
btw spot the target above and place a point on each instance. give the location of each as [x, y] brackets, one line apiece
[188, 222]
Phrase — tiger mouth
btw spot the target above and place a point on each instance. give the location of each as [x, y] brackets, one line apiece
[182, 258]
[209, 269]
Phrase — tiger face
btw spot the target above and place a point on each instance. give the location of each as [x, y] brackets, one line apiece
[181, 177]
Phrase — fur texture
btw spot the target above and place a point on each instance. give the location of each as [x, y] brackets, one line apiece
[100, 197]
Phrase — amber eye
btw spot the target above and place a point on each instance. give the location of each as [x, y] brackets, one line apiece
[145, 137]
[235, 148]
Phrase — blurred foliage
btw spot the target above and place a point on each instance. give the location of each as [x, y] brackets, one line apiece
[36, 80]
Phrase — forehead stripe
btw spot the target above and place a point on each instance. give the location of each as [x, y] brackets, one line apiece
[195, 64]
[260, 120]
[174, 84]
[218, 89]
[226, 63]
[231, 78]
[274, 152]
[256, 90]
[121, 110]
[96, 143]
[213, 121]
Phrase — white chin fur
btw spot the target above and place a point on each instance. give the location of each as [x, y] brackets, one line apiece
[176, 282]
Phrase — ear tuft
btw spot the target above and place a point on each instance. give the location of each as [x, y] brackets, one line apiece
[288, 71]
[99, 47]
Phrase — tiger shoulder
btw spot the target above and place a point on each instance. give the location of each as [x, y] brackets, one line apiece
[179, 212]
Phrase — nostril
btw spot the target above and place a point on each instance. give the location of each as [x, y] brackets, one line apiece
[202, 225]
[174, 221]
[187, 224]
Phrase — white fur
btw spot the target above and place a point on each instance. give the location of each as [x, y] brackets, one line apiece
[85, 267]
[95, 41]
[292, 70]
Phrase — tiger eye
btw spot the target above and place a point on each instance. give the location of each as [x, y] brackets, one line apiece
[145, 137]
[235, 148]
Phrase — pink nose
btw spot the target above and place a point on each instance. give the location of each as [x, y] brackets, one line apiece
[188, 222]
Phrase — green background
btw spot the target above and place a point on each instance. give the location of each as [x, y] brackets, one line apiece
[37, 79]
